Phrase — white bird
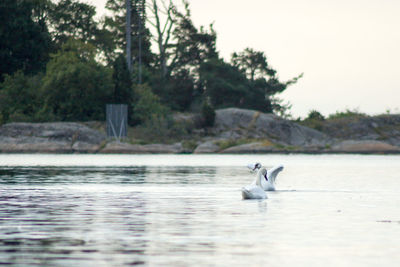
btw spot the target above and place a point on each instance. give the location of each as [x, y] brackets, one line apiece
[254, 190]
[267, 184]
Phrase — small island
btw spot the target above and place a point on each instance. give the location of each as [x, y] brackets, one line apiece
[182, 96]
[234, 131]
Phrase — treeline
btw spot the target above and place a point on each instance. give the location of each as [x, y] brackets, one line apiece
[59, 63]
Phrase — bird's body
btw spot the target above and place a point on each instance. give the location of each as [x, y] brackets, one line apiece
[267, 184]
[254, 190]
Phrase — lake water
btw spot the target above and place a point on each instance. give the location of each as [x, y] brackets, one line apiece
[186, 210]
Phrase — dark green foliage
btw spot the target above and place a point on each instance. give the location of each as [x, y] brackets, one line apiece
[256, 97]
[75, 87]
[180, 90]
[207, 114]
[264, 83]
[253, 63]
[223, 83]
[19, 99]
[24, 43]
[148, 106]
[193, 46]
[314, 120]
[161, 129]
[315, 115]
[280, 108]
[227, 86]
[122, 93]
[59, 63]
[73, 19]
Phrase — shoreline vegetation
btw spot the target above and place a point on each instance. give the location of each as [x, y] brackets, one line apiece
[60, 72]
[235, 131]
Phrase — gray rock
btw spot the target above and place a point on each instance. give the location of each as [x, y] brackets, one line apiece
[382, 127]
[33, 145]
[83, 147]
[256, 147]
[363, 134]
[207, 147]
[57, 137]
[125, 148]
[364, 146]
[255, 124]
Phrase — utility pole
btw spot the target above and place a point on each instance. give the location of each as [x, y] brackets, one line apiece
[128, 35]
[140, 13]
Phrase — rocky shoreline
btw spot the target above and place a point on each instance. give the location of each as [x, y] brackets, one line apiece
[236, 131]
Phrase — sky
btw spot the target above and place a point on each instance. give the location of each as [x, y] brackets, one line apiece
[348, 50]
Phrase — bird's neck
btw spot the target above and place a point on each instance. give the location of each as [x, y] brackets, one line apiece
[259, 177]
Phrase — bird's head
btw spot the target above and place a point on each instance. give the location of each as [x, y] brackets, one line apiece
[254, 166]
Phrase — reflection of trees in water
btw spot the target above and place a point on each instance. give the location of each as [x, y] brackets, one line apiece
[98, 220]
[109, 175]
[48, 226]
[38, 175]
[182, 174]
[128, 175]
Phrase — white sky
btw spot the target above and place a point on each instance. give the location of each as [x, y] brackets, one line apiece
[349, 50]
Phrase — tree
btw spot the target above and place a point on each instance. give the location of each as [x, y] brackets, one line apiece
[75, 87]
[223, 83]
[180, 43]
[182, 47]
[315, 115]
[19, 100]
[116, 25]
[179, 90]
[264, 83]
[252, 63]
[24, 43]
[207, 114]
[163, 31]
[73, 19]
[122, 93]
[192, 46]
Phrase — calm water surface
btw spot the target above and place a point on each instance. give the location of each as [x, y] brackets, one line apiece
[186, 210]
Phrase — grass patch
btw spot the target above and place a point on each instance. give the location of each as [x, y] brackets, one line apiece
[327, 146]
[347, 114]
[161, 130]
[267, 142]
[189, 144]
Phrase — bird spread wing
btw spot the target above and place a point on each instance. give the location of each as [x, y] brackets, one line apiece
[274, 172]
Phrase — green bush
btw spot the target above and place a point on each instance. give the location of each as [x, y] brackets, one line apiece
[315, 115]
[347, 114]
[148, 106]
[160, 129]
[76, 87]
[314, 120]
[18, 97]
